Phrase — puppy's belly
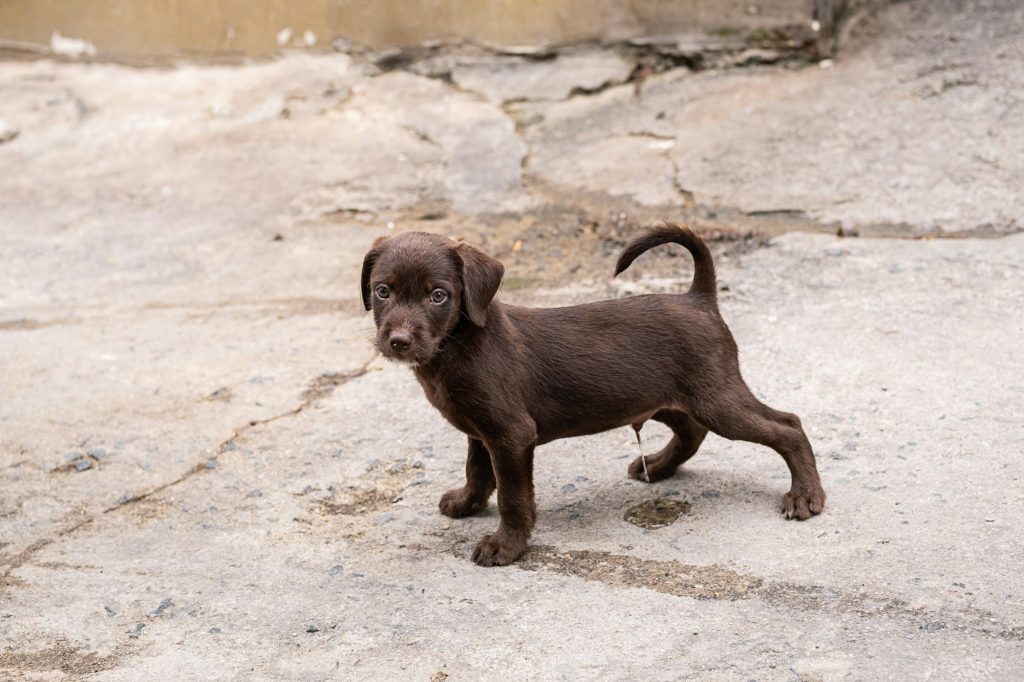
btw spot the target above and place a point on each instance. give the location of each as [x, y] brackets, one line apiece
[590, 423]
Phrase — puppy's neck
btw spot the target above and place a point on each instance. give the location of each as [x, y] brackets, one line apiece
[461, 344]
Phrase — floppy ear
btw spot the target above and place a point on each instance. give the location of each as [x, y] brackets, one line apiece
[368, 262]
[481, 277]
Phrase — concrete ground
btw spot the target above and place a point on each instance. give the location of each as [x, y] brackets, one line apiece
[205, 472]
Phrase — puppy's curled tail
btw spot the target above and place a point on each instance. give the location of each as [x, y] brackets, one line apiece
[704, 282]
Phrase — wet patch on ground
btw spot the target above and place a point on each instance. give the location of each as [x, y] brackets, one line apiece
[657, 513]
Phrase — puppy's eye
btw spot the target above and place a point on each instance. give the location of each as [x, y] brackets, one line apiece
[438, 296]
[383, 291]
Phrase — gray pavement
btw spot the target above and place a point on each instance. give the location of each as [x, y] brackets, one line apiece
[205, 472]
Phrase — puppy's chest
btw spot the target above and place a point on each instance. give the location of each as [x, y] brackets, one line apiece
[440, 396]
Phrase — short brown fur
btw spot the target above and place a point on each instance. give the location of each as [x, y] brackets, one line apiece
[513, 378]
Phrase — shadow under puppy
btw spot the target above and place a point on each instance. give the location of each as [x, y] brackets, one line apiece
[513, 378]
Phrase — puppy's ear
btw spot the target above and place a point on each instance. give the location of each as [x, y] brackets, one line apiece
[481, 277]
[368, 262]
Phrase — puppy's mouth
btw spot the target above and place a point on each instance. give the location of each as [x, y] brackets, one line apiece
[406, 359]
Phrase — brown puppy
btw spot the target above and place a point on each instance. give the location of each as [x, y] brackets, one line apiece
[514, 378]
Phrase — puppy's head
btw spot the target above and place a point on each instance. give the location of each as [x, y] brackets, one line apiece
[419, 286]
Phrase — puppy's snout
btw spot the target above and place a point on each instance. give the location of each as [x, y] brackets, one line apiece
[400, 340]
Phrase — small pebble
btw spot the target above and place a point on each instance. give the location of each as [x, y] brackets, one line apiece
[312, 628]
[337, 569]
[255, 493]
[83, 464]
[211, 463]
[135, 631]
[568, 488]
[214, 631]
[165, 604]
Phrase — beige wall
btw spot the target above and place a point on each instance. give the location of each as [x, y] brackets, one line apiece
[252, 27]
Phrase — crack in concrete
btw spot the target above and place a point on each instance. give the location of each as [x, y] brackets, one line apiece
[687, 196]
[716, 582]
[319, 388]
[580, 91]
[7, 580]
[527, 158]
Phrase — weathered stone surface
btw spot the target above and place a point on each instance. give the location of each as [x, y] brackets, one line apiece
[179, 309]
[505, 78]
[907, 132]
[636, 167]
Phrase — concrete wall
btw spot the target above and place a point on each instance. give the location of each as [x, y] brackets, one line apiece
[256, 27]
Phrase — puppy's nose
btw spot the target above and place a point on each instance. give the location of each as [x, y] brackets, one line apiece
[400, 340]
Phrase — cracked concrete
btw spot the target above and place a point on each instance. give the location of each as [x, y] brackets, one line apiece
[205, 475]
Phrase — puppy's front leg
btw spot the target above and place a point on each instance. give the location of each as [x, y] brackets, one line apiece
[472, 497]
[513, 467]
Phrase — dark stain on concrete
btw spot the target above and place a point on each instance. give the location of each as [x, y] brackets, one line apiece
[669, 577]
[25, 324]
[656, 513]
[62, 657]
[385, 489]
[359, 503]
[717, 582]
[16, 561]
[324, 385]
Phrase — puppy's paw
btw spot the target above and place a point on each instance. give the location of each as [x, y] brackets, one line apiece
[803, 503]
[498, 550]
[657, 469]
[458, 503]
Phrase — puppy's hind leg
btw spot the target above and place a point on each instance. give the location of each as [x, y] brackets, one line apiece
[687, 435]
[472, 497]
[738, 415]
